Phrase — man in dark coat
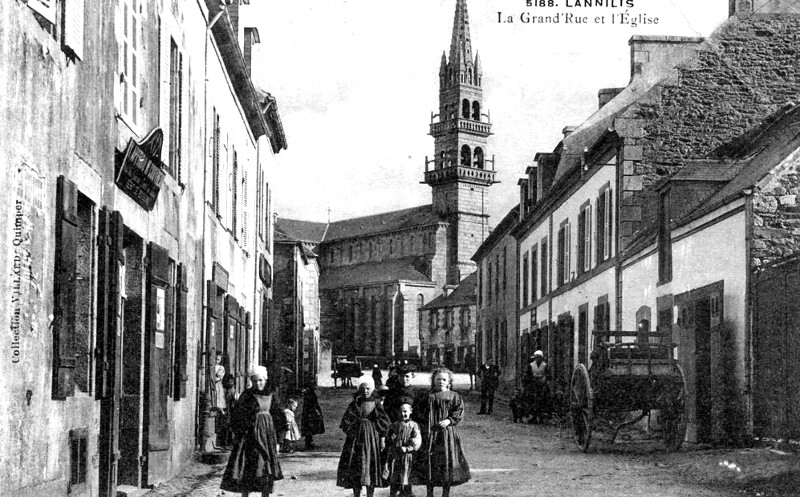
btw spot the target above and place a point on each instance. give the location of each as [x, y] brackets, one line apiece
[469, 365]
[490, 380]
[398, 390]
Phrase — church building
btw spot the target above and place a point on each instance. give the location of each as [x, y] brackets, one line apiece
[377, 271]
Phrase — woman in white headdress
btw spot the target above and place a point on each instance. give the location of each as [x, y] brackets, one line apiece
[365, 423]
[256, 417]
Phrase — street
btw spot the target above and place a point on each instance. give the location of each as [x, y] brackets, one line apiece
[508, 459]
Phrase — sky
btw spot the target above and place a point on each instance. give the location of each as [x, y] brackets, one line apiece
[357, 80]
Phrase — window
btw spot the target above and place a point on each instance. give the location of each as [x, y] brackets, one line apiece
[585, 239]
[604, 226]
[489, 285]
[497, 278]
[476, 111]
[234, 195]
[544, 266]
[78, 450]
[480, 285]
[130, 76]
[563, 253]
[534, 262]
[664, 239]
[73, 27]
[466, 155]
[420, 303]
[215, 172]
[175, 124]
[245, 208]
[465, 108]
[525, 279]
[505, 273]
[478, 158]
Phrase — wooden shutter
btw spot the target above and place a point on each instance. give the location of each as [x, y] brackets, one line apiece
[164, 75]
[110, 255]
[183, 137]
[582, 254]
[181, 333]
[64, 348]
[73, 26]
[600, 221]
[215, 164]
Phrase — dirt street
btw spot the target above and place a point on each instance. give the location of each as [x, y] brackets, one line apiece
[509, 459]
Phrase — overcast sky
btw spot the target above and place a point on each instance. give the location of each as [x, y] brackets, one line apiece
[356, 81]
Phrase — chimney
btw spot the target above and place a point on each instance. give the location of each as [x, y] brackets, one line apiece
[250, 38]
[744, 7]
[605, 95]
[523, 197]
[650, 54]
[568, 130]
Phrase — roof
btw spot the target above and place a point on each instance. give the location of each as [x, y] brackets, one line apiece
[404, 269]
[297, 230]
[464, 294]
[413, 217]
[498, 233]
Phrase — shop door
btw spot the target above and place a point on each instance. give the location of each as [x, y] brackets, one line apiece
[158, 370]
[108, 363]
[703, 387]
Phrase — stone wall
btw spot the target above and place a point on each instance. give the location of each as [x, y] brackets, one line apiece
[744, 72]
[776, 214]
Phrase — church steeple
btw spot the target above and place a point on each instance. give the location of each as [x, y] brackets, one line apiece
[460, 44]
[462, 170]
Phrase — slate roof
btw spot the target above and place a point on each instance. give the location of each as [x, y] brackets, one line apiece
[296, 230]
[423, 215]
[371, 273]
[464, 294]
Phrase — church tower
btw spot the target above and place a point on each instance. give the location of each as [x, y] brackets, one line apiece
[461, 170]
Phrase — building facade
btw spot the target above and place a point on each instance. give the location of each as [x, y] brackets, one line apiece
[450, 332]
[638, 219]
[107, 128]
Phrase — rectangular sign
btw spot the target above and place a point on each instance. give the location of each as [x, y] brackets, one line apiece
[140, 177]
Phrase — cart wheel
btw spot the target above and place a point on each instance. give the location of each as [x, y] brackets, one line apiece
[674, 415]
[580, 406]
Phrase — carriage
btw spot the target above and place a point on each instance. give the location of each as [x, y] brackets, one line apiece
[630, 372]
[345, 368]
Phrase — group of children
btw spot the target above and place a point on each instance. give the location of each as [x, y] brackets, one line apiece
[421, 447]
[312, 422]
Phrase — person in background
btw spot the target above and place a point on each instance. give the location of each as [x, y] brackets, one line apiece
[535, 380]
[490, 380]
[311, 421]
[292, 432]
[365, 424]
[399, 390]
[469, 365]
[402, 440]
[377, 375]
[440, 461]
[253, 463]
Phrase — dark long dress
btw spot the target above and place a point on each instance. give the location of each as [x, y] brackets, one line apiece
[253, 464]
[441, 460]
[311, 421]
[361, 463]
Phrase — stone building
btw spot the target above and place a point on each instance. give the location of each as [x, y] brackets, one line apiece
[450, 331]
[638, 220]
[497, 340]
[106, 122]
[378, 270]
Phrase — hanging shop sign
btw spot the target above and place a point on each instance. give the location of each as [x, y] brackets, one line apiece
[142, 173]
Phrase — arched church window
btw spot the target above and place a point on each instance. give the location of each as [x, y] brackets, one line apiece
[466, 155]
[465, 108]
[476, 111]
[478, 158]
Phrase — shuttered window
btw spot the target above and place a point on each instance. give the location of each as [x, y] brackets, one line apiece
[73, 27]
[235, 196]
[545, 267]
[215, 172]
[181, 334]
[524, 281]
[129, 63]
[64, 347]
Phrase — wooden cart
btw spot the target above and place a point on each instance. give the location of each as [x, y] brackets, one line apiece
[630, 372]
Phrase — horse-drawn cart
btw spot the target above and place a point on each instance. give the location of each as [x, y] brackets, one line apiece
[345, 368]
[640, 374]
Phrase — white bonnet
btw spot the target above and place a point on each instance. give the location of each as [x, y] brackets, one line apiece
[367, 381]
[258, 371]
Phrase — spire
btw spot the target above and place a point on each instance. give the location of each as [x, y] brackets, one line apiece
[460, 45]
[478, 69]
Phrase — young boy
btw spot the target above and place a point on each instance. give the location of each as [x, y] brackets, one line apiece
[402, 440]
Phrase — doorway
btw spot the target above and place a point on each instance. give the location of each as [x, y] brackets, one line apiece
[703, 385]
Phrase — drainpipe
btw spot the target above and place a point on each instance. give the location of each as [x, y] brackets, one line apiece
[748, 318]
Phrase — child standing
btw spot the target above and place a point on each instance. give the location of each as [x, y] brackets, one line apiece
[292, 432]
[365, 423]
[402, 440]
[441, 461]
